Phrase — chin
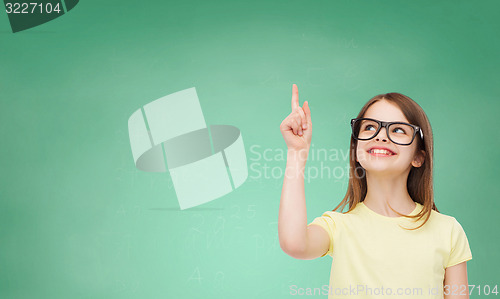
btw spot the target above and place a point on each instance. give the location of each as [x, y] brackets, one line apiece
[382, 170]
[382, 167]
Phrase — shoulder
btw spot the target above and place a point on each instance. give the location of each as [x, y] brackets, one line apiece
[330, 216]
[443, 219]
[333, 218]
[339, 217]
[444, 223]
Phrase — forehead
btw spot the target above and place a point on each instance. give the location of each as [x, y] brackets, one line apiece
[385, 111]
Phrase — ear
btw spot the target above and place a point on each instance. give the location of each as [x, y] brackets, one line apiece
[419, 159]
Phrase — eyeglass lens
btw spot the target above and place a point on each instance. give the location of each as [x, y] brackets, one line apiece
[399, 133]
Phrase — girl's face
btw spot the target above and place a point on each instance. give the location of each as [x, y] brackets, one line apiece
[402, 158]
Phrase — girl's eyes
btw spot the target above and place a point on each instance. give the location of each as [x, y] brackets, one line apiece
[400, 130]
[397, 130]
[369, 126]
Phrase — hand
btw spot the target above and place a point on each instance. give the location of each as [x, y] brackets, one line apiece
[296, 128]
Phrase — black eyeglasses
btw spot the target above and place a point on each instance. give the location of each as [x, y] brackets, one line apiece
[398, 132]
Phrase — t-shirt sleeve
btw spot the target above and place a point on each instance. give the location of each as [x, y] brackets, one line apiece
[460, 250]
[327, 222]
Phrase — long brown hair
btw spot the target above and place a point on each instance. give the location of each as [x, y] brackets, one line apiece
[419, 183]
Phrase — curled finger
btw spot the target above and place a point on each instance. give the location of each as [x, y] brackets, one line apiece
[294, 125]
[303, 119]
[299, 122]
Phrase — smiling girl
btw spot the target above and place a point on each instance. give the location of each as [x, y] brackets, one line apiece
[392, 242]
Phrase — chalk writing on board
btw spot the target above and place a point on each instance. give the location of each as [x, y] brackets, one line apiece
[250, 212]
[217, 233]
[196, 276]
[215, 279]
[219, 281]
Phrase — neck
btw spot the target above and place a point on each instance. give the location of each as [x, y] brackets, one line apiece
[384, 190]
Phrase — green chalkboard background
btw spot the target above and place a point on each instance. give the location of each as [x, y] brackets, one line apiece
[78, 220]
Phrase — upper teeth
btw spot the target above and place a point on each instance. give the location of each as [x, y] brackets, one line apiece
[380, 151]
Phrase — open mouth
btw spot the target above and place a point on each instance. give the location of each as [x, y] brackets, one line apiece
[380, 152]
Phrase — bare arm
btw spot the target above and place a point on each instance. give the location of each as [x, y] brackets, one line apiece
[296, 239]
[456, 285]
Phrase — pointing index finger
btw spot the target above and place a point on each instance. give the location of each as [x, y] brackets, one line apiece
[295, 97]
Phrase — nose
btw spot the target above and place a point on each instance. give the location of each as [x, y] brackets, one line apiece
[382, 135]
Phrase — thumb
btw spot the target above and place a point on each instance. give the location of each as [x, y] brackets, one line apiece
[307, 111]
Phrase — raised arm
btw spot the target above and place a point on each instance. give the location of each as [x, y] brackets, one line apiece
[296, 239]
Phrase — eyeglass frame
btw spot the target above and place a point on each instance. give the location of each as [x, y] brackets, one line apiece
[386, 124]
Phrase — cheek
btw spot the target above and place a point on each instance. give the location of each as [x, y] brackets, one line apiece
[361, 154]
[406, 156]
[411, 152]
